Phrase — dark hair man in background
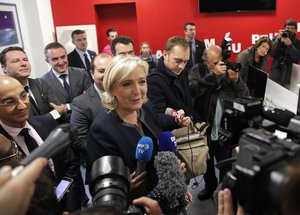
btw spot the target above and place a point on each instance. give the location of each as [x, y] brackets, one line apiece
[80, 57]
[111, 34]
[196, 47]
[285, 52]
[122, 45]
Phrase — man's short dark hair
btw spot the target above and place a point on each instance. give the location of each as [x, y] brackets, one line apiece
[110, 30]
[121, 39]
[77, 32]
[176, 41]
[8, 49]
[188, 23]
[291, 22]
[53, 45]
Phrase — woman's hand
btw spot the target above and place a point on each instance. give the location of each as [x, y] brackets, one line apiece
[137, 184]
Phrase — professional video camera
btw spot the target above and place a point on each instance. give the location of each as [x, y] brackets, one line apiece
[226, 54]
[110, 184]
[238, 114]
[287, 34]
[259, 177]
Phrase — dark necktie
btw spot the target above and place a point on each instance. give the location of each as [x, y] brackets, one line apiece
[87, 63]
[190, 62]
[29, 140]
[66, 85]
[32, 102]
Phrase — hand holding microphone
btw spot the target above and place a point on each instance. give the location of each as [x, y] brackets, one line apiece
[179, 117]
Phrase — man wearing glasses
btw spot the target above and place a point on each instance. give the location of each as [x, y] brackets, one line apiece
[29, 134]
[210, 83]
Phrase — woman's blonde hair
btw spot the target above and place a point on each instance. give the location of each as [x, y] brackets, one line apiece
[117, 71]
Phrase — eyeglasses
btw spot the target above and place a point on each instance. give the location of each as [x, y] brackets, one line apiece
[9, 102]
[14, 149]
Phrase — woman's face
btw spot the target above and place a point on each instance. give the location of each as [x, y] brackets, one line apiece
[145, 49]
[263, 49]
[131, 93]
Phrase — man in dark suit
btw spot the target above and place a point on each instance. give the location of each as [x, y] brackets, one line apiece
[81, 57]
[196, 47]
[88, 105]
[66, 82]
[30, 133]
[15, 64]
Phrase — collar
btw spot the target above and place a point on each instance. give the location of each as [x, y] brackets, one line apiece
[57, 74]
[99, 91]
[81, 53]
[14, 132]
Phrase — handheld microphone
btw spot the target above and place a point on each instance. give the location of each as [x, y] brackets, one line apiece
[171, 189]
[57, 141]
[173, 113]
[171, 182]
[167, 142]
[143, 153]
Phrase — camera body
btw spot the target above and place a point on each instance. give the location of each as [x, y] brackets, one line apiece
[258, 176]
[239, 113]
[109, 184]
[226, 54]
[233, 66]
[287, 34]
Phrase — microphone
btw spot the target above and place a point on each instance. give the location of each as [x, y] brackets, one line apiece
[143, 153]
[171, 189]
[173, 113]
[279, 116]
[167, 142]
[57, 141]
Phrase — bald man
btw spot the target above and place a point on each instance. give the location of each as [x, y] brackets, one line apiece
[88, 105]
[210, 83]
[29, 134]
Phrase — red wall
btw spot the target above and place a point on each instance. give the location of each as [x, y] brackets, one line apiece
[157, 20]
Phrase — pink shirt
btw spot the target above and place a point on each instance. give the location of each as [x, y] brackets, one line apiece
[107, 49]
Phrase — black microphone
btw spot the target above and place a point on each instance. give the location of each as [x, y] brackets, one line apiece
[279, 116]
[57, 141]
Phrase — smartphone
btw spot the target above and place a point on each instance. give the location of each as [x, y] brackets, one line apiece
[62, 187]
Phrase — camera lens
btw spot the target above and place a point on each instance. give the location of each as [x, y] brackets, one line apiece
[109, 182]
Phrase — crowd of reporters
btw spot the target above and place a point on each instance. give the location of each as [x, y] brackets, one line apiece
[113, 102]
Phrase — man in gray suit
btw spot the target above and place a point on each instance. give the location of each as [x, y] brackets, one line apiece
[43, 101]
[66, 82]
[88, 105]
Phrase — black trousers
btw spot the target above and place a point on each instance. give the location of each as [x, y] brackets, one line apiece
[219, 152]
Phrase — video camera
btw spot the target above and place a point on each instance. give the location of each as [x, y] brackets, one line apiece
[258, 178]
[226, 54]
[110, 184]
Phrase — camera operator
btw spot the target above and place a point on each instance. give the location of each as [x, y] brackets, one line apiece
[211, 82]
[285, 52]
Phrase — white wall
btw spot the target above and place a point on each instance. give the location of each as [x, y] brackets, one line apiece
[37, 29]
